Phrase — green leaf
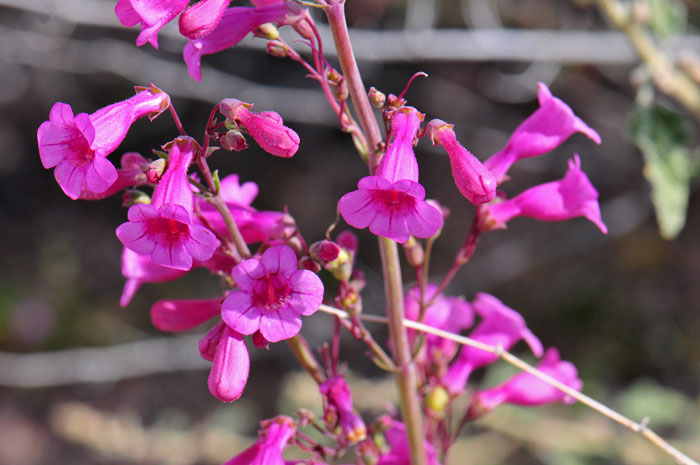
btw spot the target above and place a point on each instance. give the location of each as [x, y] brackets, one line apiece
[668, 166]
[667, 17]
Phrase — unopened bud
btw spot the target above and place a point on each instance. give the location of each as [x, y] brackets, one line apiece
[307, 263]
[414, 252]
[277, 49]
[340, 90]
[348, 240]
[233, 141]
[377, 98]
[303, 28]
[324, 251]
[155, 170]
[267, 31]
[436, 401]
[134, 196]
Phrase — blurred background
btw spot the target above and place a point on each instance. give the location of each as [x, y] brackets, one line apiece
[83, 381]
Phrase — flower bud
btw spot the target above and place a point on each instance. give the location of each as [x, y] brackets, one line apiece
[303, 28]
[348, 240]
[307, 263]
[277, 49]
[377, 98]
[267, 31]
[324, 251]
[436, 400]
[155, 170]
[135, 196]
[414, 252]
[233, 141]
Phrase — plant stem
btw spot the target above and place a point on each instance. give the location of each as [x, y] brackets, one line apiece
[406, 376]
[306, 358]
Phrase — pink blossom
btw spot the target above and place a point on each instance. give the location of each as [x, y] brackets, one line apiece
[571, 197]
[267, 127]
[500, 326]
[227, 351]
[139, 269]
[152, 14]
[164, 229]
[78, 145]
[234, 25]
[201, 18]
[399, 450]
[131, 173]
[337, 400]
[175, 315]
[392, 203]
[476, 183]
[541, 132]
[272, 295]
[526, 389]
[272, 439]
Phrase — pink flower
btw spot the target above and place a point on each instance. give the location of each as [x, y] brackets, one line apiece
[526, 389]
[337, 400]
[175, 315]
[541, 132]
[234, 25]
[164, 229]
[131, 173]
[227, 351]
[266, 127]
[500, 326]
[139, 269]
[272, 295]
[152, 14]
[272, 439]
[571, 197]
[392, 203]
[201, 18]
[476, 183]
[78, 145]
[400, 452]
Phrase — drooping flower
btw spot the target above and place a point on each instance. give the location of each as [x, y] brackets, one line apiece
[164, 229]
[500, 326]
[201, 18]
[476, 183]
[152, 14]
[399, 449]
[337, 400]
[272, 439]
[272, 295]
[527, 389]
[131, 173]
[570, 197]
[77, 146]
[234, 25]
[392, 203]
[267, 128]
[227, 351]
[541, 132]
[175, 315]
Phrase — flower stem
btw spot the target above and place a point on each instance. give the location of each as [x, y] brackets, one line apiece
[306, 358]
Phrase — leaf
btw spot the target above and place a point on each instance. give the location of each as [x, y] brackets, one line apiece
[668, 166]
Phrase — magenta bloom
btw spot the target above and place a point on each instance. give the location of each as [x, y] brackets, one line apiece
[392, 203]
[272, 295]
[267, 127]
[272, 439]
[571, 197]
[131, 173]
[400, 452]
[476, 183]
[541, 132]
[500, 326]
[201, 18]
[78, 145]
[175, 315]
[526, 389]
[234, 25]
[152, 14]
[230, 367]
[139, 269]
[164, 229]
[337, 400]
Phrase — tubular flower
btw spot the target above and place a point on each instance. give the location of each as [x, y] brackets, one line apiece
[338, 406]
[164, 229]
[139, 269]
[399, 452]
[77, 146]
[526, 389]
[500, 326]
[272, 295]
[152, 14]
[267, 127]
[392, 203]
[476, 183]
[541, 132]
[570, 197]
[131, 173]
[175, 315]
[234, 25]
[272, 439]
[201, 18]
[227, 351]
